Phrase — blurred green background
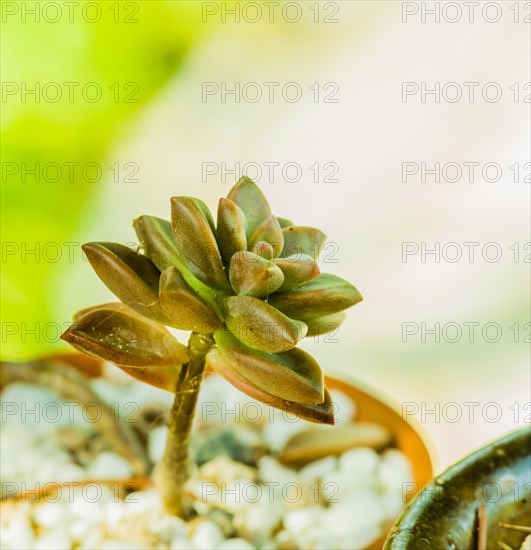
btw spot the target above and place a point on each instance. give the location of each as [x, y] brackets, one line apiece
[92, 69]
[131, 127]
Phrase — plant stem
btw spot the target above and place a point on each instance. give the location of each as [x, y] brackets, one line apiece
[175, 468]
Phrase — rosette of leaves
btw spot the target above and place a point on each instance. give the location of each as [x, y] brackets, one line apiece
[249, 289]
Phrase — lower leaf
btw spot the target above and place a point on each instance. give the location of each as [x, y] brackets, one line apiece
[322, 413]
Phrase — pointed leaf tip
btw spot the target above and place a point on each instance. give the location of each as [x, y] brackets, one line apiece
[113, 333]
[324, 295]
[247, 195]
[156, 240]
[130, 276]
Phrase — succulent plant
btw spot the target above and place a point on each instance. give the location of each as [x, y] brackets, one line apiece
[248, 287]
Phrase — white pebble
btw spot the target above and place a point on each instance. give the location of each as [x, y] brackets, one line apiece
[298, 520]
[362, 459]
[181, 544]
[257, 521]
[157, 443]
[89, 509]
[394, 471]
[69, 472]
[273, 472]
[79, 528]
[168, 527]
[392, 504]
[354, 513]
[362, 538]
[120, 545]
[235, 544]
[50, 514]
[207, 535]
[526, 545]
[17, 534]
[316, 470]
[114, 513]
[53, 540]
[337, 484]
[143, 502]
[109, 466]
[364, 462]
[223, 469]
[92, 539]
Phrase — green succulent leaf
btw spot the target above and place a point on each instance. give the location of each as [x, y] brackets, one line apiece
[247, 195]
[231, 229]
[261, 326]
[130, 276]
[114, 333]
[195, 240]
[323, 295]
[297, 270]
[156, 241]
[270, 232]
[325, 324]
[293, 375]
[321, 412]
[283, 222]
[182, 306]
[252, 275]
[303, 240]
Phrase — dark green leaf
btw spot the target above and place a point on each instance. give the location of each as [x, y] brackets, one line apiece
[114, 333]
[192, 231]
[325, 324]
[130, 276]
[314, 412]
[294, 375]
[183, 307]
[298, 269]
[261, 326]
[321, 296]
[156, 240]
